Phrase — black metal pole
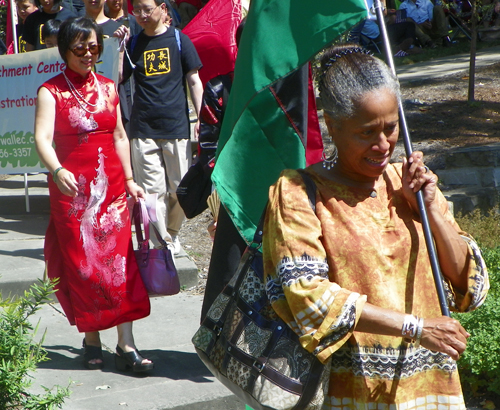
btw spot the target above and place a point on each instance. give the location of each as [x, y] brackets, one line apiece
[431, 249]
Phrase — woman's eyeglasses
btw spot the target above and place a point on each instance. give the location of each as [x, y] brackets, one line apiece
[146, 12]
[80, 50]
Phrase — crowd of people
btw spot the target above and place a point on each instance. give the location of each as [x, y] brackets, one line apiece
[416, 24]
[32, 15]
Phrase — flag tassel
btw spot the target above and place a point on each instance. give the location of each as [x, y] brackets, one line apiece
[431, 249]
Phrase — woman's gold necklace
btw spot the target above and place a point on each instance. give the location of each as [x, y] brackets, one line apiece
[81, 99]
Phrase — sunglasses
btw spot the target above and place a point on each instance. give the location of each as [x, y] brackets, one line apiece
[80, 50]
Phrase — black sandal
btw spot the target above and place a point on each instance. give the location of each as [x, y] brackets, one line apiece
[92, 353]
[131, 361]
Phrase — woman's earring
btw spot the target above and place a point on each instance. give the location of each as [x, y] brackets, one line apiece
[329, 162]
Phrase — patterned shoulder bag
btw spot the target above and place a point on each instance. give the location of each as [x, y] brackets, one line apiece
[251, 350]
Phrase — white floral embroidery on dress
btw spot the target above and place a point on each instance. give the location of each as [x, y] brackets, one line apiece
[79, 202]
[111, 220]
[78, 119]
[96, 251]
[119, 274]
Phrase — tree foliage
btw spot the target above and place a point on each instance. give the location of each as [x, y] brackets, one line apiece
[3, 19]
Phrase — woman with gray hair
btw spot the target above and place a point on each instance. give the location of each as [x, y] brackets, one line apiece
[353, 278]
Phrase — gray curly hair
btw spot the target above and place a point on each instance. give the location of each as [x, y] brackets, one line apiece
[348, 72]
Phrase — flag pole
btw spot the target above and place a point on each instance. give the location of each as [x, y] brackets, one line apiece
[431, 249]
[13, 19]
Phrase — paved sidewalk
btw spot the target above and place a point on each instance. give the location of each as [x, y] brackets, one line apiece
[447, 65]
[179, 380]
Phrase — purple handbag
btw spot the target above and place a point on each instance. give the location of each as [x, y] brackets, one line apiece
[157, 267]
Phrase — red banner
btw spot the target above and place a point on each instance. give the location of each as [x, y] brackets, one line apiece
[213, 32]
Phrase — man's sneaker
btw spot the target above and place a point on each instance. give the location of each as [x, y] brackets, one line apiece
[176, 245]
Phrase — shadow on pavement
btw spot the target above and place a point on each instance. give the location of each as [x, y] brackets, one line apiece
[25, 224]
[27, 253]
[15, 205]
[16, 184]
[169, 364]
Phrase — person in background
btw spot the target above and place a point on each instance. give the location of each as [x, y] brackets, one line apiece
[114, 10]
[49, 33]
[173, 13]
[162, 61]
[24, 9]
[353, 277]
[48, 10]
[88, 245]
[187, 9]
[401, 36]
[95, 10]
[430, 20]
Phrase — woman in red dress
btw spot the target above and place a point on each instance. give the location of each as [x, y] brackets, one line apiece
[88, 244]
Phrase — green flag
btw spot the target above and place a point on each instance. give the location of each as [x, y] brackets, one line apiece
[259, 137]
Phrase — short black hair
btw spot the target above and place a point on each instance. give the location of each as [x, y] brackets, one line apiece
[74, 28]
[50, 28]
[29, 1]
[56, 3]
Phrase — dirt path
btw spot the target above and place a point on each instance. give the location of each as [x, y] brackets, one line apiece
[439, 119]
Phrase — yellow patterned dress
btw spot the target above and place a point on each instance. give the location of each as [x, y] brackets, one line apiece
[361, 247]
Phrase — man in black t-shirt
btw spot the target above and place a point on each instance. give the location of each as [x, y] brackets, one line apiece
[164, 61]
[24, 9]
[32, 30]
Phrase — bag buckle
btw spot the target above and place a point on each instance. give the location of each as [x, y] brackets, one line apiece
[258, 365]
[217, 329]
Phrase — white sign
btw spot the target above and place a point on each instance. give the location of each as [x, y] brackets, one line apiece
[20, 77]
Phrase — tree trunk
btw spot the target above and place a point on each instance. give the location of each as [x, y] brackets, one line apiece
[472, 65]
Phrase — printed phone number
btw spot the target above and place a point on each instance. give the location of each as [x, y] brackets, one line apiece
[16, 153]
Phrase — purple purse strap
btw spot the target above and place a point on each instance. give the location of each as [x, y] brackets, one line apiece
[141, 219]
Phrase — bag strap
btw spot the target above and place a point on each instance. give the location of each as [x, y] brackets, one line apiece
[178, 39]
[311, 195]
[141, 219]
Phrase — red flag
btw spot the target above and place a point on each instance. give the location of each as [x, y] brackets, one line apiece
[314, 145]
[212, 32]
[9, 38]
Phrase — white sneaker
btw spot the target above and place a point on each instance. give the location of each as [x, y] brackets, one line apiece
[176, 245]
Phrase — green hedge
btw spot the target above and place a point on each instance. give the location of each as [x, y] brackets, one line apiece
[479, 366]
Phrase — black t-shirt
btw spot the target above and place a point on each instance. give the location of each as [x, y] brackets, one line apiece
[21, 44]
[32, 31]
[76, 6]
[160, 108]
